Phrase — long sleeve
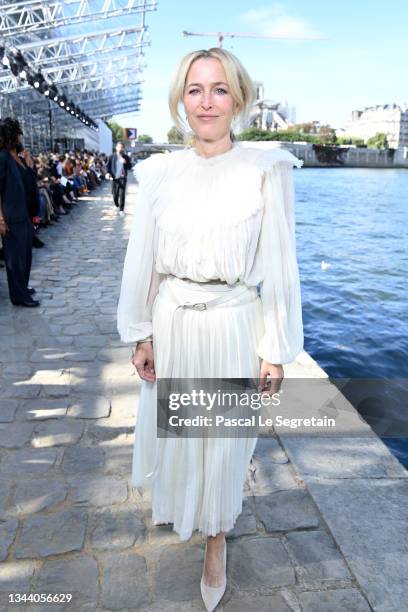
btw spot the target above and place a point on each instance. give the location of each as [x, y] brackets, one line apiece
[128, 164]
[280, 288]
[140, 280]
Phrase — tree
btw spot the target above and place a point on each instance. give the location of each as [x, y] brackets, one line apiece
[253, 133]
[348, 140]
[327, 134]
[118, 132]
[174, 136]
[304, 128]
[144, 138]
[379, 141]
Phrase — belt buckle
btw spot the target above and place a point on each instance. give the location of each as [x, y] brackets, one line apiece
[197, 306]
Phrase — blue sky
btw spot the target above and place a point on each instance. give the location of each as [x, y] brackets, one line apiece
[359, 61]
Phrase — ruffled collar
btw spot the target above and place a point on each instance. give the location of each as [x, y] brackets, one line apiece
[215, 159]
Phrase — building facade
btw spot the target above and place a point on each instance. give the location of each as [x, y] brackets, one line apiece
[389, 119]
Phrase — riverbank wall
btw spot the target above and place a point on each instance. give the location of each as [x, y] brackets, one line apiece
[340, 156]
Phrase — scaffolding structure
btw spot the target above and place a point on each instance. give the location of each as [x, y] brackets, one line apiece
[67, 65]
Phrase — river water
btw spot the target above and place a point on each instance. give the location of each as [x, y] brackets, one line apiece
[355, 308]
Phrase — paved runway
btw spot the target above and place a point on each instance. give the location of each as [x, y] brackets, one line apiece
[70, 521]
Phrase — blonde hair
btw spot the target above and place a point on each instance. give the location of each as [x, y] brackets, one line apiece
[242, 88]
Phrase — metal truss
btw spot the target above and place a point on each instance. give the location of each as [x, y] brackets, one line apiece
[103, 108]
[111, 104]
[52, 52]
[79, 72]
[117, 110]
[87, 100]
[93, 97]
[98, 71]
[104, 113]
[34, 16]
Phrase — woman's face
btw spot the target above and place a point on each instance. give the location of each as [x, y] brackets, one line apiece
[207, 100]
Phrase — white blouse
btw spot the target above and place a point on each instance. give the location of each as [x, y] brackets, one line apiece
[228, 217]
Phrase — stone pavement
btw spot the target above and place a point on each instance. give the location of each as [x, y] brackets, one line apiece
[70, 520]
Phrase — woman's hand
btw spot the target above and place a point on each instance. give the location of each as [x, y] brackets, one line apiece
[143, 360]
[28, 159]
[275, 375]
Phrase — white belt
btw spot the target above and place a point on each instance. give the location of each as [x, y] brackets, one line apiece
[228, 295]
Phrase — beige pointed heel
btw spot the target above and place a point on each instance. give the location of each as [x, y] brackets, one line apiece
[212, 595]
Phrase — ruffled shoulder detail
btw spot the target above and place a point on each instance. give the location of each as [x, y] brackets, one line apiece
[267, 158]
[204, 195]
[151, 172]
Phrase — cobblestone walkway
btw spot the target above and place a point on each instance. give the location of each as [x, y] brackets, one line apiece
[70, 521]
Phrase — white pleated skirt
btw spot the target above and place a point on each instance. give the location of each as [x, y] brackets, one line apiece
[197, 483]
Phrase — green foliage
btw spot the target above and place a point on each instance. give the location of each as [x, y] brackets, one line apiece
[144, 138]
[327, 134]
[379, 141]
[254, 134]
[304, 128]
[174, 136]
[351, 140]
[118, 132]
[289, 135]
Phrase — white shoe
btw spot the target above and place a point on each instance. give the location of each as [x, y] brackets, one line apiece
[121, 213]
[212, 595]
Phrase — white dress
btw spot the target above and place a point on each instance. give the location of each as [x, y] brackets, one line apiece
[228, 218]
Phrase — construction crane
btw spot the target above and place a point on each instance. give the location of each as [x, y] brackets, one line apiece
[221, 35]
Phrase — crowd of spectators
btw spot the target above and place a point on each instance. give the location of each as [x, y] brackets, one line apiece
[58, 182]
[35, 190]
[61, 179]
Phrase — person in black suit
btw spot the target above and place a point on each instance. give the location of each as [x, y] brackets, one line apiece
[118, 165]
[16, 228]
[33, 199]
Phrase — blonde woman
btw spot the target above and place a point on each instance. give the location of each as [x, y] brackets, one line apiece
[213, 221]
